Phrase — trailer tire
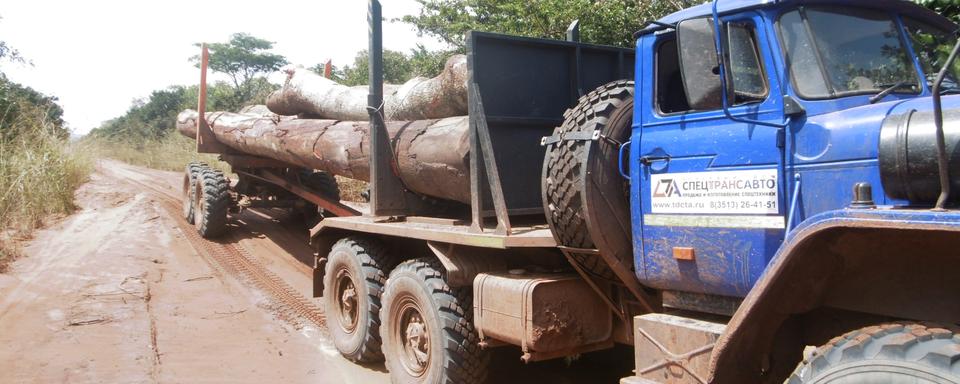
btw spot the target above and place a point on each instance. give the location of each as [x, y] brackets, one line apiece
[211, 203]
[418, 302]
[584, 196]
[189, 179]
[895, 353]
[356, 270]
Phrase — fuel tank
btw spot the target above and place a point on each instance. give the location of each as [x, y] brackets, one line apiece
[908, 155]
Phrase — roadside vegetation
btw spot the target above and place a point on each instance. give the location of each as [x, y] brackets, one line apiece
[39, 167]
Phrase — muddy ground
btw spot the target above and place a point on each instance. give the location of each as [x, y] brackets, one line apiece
[123, 291]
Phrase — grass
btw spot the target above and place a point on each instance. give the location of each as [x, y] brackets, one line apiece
[174, 151]
[171, 153]
[350, 189]
[39, 173]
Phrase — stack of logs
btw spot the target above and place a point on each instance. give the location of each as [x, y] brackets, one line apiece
[316, 123]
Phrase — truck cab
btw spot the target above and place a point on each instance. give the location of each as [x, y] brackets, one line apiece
[792, 183]
[799, 128]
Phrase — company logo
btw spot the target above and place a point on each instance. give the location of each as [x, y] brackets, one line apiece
[666, 188]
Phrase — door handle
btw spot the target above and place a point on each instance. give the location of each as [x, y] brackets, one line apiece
[647, 160]
[623, 172]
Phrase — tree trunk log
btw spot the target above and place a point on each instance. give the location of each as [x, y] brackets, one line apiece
[433, 156]
[308, 93]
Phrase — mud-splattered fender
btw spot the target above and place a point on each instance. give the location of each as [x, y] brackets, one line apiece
[821, 255]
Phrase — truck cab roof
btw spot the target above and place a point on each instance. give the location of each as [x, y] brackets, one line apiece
[903, 7]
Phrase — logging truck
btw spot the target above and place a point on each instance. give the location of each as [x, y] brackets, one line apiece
[761, 192]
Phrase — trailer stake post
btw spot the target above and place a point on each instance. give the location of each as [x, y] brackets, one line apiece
[388, 197]
[206, 140]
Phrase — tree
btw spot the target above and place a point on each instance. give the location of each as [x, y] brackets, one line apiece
[397, 66]
[947, 8]
[245, 59]
[609, 22]
[428, 63]
[24, 110]
[153, 117]
[9, 53]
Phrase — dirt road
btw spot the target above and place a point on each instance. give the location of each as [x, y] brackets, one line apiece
[125, 291]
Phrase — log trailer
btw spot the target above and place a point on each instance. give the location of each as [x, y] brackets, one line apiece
[762, 192]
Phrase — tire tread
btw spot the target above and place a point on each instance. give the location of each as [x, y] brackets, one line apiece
[933, 347]
[464, 360]
[564, 172]
[375, 263]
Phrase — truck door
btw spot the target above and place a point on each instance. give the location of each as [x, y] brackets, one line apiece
[711, 189]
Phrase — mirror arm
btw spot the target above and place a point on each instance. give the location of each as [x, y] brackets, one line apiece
[717, 30]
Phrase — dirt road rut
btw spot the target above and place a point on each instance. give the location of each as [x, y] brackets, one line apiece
[125, 291]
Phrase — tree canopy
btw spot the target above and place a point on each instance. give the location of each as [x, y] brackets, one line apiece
[245, 59]
[397, 66]
[947, 8]
[9, 53]
[24, 109]
[610, 22]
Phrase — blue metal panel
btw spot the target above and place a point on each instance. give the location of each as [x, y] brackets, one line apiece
[833, 151]
[728, 260]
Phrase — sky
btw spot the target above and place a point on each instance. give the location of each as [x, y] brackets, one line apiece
[97, 56]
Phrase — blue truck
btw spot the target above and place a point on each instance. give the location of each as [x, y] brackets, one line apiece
[762, 191]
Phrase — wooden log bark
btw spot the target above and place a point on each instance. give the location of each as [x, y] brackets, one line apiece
[432, 156]
[307, 93]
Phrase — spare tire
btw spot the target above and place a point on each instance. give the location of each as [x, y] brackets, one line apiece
[584, 196]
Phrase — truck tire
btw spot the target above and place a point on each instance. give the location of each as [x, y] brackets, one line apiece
[896, 353]
[584, 197]
[212, 201]
[356, 270]
[428, 333]
[326, 185]
[321, 182]
[189, 179]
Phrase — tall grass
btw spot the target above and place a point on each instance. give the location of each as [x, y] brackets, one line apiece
[39, 173]
[174, 151]
[171, 153]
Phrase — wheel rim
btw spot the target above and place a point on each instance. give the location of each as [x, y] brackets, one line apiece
[414, 336]
[348, 309]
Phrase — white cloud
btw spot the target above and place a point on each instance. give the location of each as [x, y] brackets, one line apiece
[97, 56]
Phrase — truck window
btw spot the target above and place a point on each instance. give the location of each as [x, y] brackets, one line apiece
[671, 97]
[749, 83]
[932, 46]
[840, 51]
[747, 78]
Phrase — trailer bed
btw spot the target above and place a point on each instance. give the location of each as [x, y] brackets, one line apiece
[451, 231]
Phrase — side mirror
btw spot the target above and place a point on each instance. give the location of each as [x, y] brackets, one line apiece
[698, 63]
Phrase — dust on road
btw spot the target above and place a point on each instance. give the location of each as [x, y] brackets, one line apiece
[117, 293]
[125, 291]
